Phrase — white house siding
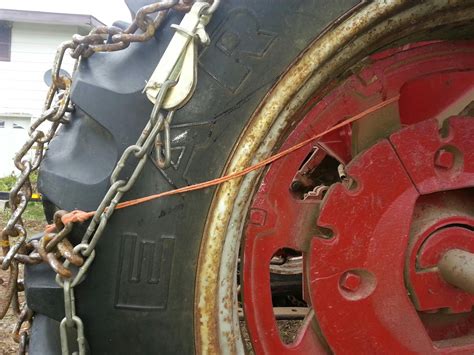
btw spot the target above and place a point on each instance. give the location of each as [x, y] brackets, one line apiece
[22, 88]
[13, 133]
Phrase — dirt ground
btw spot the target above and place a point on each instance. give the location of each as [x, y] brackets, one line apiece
[7, 345]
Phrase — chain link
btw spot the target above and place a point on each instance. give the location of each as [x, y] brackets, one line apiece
[72, 263]
[111, 38]
[55, 107]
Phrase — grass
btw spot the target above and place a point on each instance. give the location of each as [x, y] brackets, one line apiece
[34, 211]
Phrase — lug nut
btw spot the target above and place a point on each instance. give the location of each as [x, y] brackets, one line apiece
[444, 159]
[350, 281]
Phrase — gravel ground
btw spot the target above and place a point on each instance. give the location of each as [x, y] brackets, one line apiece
[288, 331]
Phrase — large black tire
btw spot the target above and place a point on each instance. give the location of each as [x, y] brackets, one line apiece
[139, 296]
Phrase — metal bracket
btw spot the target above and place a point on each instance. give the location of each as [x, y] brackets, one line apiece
[179, 62]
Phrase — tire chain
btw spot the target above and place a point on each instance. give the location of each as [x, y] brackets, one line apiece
[53, 246]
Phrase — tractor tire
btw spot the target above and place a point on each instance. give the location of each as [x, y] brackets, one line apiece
[151, 287]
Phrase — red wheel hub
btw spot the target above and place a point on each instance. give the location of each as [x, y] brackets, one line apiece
[442, 222]
[372, 243]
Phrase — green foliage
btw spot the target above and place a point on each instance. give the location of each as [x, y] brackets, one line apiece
[34, 211]
[6, 183]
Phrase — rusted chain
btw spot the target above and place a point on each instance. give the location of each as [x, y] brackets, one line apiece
[110, 38]
[53, 247]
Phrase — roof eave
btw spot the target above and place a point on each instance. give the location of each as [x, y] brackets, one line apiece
[49, 18]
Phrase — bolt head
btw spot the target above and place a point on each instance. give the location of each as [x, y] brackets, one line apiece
[350, 281]
[444, 159]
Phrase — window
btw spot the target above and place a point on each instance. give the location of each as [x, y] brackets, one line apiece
[5, 42]
[16, 125]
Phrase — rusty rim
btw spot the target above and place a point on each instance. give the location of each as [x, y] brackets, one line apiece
[217, 324]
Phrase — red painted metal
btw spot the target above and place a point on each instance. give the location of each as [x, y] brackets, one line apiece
[429, 291]
[418, 154]
[433, 96]
[351, 282]
[371, 227]
[372, 233]
[356, 280]
[338, 144]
